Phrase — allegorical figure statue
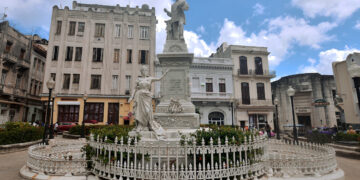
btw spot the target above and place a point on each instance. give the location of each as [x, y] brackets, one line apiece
[142, 107]
[175, 26]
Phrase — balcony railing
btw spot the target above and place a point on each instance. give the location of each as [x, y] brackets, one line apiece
[211, 95]
[252, 72]
[9, 58]
[255, 102]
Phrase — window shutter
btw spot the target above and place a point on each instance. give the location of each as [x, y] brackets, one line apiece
[147, 57]
[139, 57]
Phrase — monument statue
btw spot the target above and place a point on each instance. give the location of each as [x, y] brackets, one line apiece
[175, 26]
[142, 107]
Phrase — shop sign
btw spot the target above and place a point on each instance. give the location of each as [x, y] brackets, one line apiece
[320, 103]
[302, 109]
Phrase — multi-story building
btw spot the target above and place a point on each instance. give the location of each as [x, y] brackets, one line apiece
[17, 55]
[347, 77]
[98, 50]
[251, 80]
[211, 89]
[313, 101]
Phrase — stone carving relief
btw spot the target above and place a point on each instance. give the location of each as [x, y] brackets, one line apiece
[175, 106]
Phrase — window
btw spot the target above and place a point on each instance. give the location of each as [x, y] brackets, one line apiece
[8, 46]
[94, 111]
[222, 86]
[129, 56]
[117, 30]
[69, 53]
[209, 85]
[31, 85]
[143, 57]
[116, 55]
[43, 66]
[68, 113]
[196, 84]
[81, 27]
[260, 91]
[115, 80]
[36, 87]
[216, 118]
[66, 83]
[18, 81]
[3, 76]
[78, 53]
[99, 30]
[98, 54]
[257, 121]
[245, 93]
[34, 62]
[144, 32]
[72, 28]
[58, 27]
[130, 31]
[76, 78]
[53, 76]
[95, 82]
[113, 113]
[258, 66]
[55, 53]
[128, 83]
[22, 53]
[243, 65]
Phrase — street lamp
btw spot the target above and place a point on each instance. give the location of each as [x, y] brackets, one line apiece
[52, 117]
[83, 121]
[50, 84]
[291, 93]
[276, 102]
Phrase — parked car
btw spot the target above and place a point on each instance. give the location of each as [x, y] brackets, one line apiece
[65, 126]
[91, 121]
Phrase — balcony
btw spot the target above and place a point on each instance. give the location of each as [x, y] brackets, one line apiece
[9, 59]
[255, 103]
[252, 73]
[211, 95]
[23, 64]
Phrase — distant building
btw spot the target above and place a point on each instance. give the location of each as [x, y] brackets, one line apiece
[347, 77]
[313, 100]
[22, 66]
[251, 80]
[98, 50]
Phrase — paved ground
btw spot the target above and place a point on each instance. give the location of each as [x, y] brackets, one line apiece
[11, 163]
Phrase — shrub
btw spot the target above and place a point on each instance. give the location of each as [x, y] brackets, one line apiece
[76, 130]
[316, 136]
[340, 136]
[19, 132]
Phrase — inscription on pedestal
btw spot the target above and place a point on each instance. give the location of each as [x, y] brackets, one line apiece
[175, 85]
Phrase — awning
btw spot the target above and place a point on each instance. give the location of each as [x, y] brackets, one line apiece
[126, 118]
[68, 103]
[11, 102]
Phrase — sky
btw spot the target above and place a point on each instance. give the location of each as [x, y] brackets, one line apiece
[301, 35]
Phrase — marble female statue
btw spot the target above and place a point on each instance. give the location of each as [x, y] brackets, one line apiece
[142, 107]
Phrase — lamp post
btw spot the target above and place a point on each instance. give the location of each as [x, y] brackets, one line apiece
[50, 84]
[276, 102]
[291, 93]
[83, 120]
[52, 117]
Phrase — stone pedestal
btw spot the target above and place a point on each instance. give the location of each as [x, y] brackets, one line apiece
[176, 86]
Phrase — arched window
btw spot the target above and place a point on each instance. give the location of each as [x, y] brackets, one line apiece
[258, 66]
[243, 65]
[216, 118]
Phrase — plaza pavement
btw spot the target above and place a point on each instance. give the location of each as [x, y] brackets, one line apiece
[11, 163]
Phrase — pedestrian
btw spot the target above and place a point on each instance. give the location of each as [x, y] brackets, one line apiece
[268, 129]
[56, 125]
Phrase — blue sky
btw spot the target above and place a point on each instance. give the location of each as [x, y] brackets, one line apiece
[302, 35]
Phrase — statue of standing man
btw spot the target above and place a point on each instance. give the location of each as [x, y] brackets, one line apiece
[175, 26]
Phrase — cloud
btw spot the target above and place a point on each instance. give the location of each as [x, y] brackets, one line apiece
[197, 45]
[201, 29]
[280, 36]
[357, 25]
[324, 64]
[338, 9]
[258, 9]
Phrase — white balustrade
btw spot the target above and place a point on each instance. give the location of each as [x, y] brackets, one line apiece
[64, 157]
[304, 159]
[174, 161]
